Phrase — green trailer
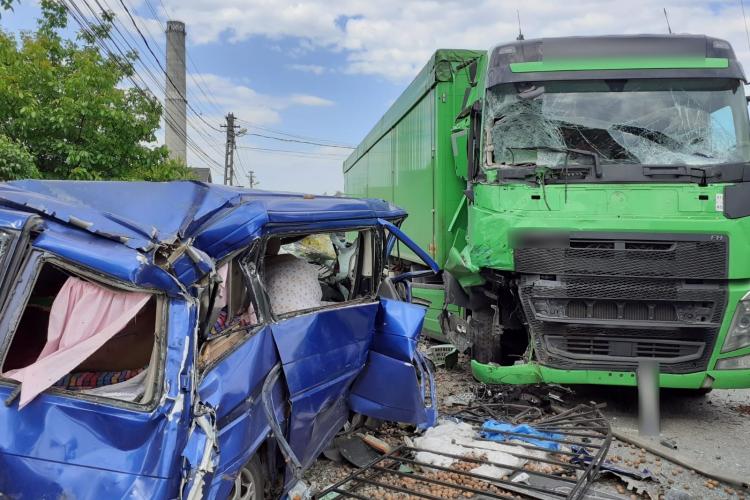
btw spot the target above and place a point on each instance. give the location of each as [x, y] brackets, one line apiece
[407, 159]
[589, 200]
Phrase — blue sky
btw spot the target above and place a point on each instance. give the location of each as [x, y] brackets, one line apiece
[329, 69]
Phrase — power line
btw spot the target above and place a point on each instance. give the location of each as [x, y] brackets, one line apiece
[140, 33]
[299, 141]
[206, 94]
[87, 28]
[287, 134]
[158, 82]
[293, 152]
[209, 99]
[164, 8]
[744, 17]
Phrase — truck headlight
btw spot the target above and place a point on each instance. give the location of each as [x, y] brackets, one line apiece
[739, 331]
[736, 363]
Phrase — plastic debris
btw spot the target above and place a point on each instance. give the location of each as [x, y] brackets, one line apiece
[503, 431]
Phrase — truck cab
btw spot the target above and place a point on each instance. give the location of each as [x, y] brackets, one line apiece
[589, 201]
[608, 195]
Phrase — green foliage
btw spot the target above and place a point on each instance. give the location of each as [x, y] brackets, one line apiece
[15, 161]
[165, 171]
[6, 5]
[71, 109]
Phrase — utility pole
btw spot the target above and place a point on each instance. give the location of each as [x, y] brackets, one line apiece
[175, 117]
[251, 179]
[229, 155]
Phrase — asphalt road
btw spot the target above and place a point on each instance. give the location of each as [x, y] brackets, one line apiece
[712, 431]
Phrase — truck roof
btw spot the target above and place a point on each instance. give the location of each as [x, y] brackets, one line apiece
[437, 69]
[613, 57]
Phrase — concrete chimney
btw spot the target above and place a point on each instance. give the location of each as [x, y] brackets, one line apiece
[175, 101]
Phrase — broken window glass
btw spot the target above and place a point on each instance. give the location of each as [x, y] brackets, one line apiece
[307, 271]
[236, 313]
[650, 122]
[5, 240]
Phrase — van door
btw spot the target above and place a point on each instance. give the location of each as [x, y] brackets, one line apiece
[397, 383]
[321, 354]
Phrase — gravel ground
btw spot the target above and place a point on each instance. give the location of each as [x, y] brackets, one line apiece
[703, 428]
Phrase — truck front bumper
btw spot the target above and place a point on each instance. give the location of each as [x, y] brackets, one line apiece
[533, 373]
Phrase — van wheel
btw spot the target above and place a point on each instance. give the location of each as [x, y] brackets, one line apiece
[250, 483]
[485, 337]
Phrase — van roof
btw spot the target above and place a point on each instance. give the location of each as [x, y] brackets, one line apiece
[205, 222]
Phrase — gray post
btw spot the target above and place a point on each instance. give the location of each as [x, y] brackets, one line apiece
[229, 155]
[175, 136]
[648, 397]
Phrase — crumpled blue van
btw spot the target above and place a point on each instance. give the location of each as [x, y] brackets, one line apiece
[187, 340]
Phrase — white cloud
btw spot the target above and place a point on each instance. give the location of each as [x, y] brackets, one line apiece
[315, 69]
[310, 100]
[394, 38]
[315, 172]
[243, 101]
[252, 109]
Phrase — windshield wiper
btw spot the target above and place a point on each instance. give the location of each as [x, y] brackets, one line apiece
[568, 151]
[693, 172]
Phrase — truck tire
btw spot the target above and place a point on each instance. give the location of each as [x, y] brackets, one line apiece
[250, 483]
[485, 346]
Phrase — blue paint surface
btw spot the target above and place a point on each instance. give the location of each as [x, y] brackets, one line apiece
[61, 446]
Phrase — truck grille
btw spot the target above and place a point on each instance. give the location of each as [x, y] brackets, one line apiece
[609, 323]
[628, 255]
[625, 349]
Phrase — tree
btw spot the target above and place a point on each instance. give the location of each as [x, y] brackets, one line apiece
[15, 161]
[69, 107]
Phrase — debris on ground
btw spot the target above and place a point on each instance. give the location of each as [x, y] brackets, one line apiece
[453, 459]
[496, 459]
[443, 355]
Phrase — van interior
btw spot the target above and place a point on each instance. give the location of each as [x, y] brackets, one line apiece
[119, 369]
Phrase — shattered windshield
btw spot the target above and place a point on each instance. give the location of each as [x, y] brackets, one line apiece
[649, 122]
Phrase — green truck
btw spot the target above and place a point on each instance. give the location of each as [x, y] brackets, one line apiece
[589, 200]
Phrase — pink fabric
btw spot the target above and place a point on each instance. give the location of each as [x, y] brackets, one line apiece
[83, 317]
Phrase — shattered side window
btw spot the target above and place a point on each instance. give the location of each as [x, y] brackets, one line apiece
[659, 122]
[5, 240]
[308, 271]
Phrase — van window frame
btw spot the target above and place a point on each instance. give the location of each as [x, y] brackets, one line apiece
[245, 257]
[23, 285]
[370, 297]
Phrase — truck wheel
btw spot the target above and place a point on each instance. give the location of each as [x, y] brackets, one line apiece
[250, 483]
[485, 337]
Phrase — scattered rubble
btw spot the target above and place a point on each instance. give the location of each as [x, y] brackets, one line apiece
[466, 465]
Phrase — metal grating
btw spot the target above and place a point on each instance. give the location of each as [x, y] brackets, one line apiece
[583, 433]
